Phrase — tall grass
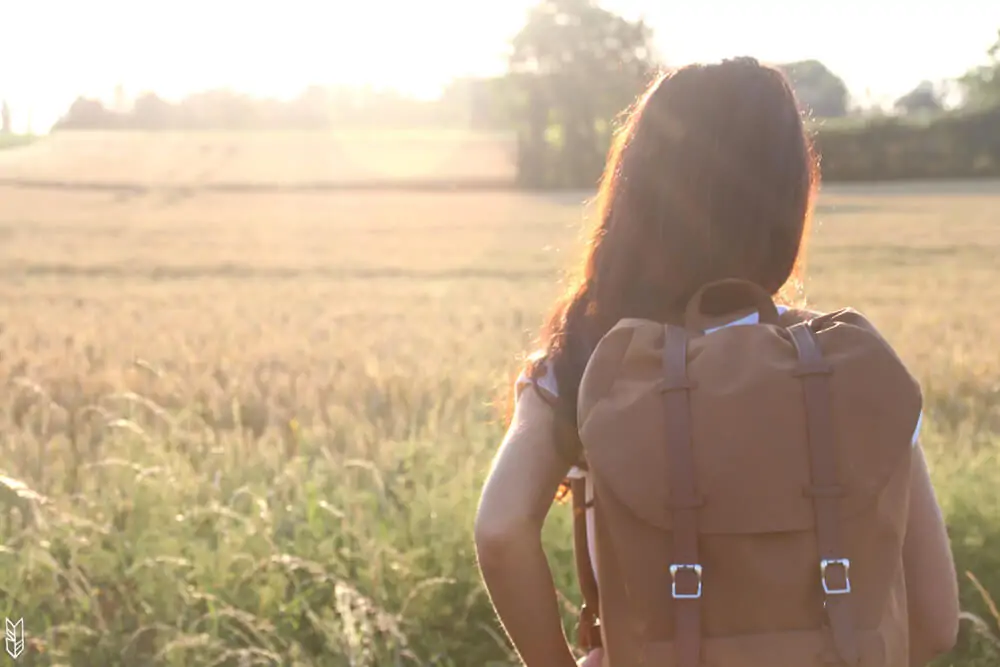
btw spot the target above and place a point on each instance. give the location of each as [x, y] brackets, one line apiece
[278, 463]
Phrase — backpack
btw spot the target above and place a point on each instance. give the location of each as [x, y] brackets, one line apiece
[750, 490]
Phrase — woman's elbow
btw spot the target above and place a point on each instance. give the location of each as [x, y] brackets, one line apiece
[489, 536]
[937, 632]
[498, 535]
[943, 638]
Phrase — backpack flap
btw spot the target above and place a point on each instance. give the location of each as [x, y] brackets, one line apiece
[749, 422]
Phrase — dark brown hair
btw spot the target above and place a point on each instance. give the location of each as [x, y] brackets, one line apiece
[712, 175]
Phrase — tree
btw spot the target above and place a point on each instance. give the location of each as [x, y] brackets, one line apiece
[820, 91]
[925, 98]
[311, 109]
[573, 68]
[87, 114]
[981, 85]
[150, 112]
[477, 103]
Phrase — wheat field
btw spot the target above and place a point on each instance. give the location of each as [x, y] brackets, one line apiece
[251, 430]
[271, 159]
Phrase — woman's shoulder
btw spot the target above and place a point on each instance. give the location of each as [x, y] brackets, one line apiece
[537, 371]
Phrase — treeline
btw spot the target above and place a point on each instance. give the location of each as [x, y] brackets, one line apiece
[925, 140]
[573, 68]
[958, 144]
[574, 65]
[466, 103]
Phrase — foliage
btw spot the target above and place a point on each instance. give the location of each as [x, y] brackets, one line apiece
[922, 99]
[982, 84]
[16, 140]
[962, 144]
[484, 99]
[574, 66]
[568, 88]
[251, 429]
[316, 108]
[821, 93]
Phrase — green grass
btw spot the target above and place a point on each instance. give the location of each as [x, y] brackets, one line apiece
[16, 140]
[252, 430]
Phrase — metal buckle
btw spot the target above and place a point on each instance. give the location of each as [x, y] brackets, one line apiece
[674, 569]
[829, 562]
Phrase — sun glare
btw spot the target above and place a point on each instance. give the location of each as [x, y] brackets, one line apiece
[277, 50]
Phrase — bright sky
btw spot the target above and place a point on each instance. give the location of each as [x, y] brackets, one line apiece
[53, 50]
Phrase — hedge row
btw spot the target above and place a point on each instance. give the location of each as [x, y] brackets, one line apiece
[956, 145]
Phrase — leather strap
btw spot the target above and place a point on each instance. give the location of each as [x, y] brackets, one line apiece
[588, 629]
[685, 501]
[814, 372]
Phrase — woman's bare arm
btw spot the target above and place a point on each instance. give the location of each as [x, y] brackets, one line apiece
[931, 582]
[516, 499]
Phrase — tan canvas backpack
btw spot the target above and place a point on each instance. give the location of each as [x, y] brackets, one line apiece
[750, 490]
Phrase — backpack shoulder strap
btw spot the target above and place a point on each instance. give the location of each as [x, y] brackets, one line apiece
[793, 316]
[588, 629]
[835, 569]
[686, 570]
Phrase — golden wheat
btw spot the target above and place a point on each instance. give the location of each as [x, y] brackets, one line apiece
[254, 427]
[271, 158]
